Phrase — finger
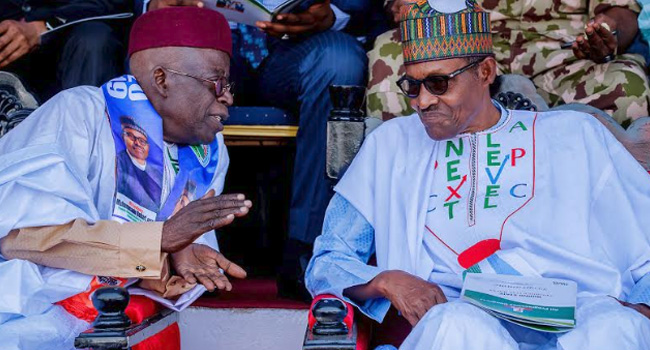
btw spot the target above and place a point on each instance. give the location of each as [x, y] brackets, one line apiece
[411, 318]
[577, 52]
[596, 45]
[4, 26]
[227, 282]
[583, 45]
[421, 311]
[288, 18]
[206, 282]
[232, 197]
[262, 25]
[609, 39]
[229, 267]
[211, 205]
[187, 275]
[237, 212]
[219, 222]
[217, 281]
[220, 281]
[441, 297]
[289, 29]
[9, 37]
[10, 53]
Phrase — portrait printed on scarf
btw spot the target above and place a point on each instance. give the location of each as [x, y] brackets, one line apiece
[138, 177]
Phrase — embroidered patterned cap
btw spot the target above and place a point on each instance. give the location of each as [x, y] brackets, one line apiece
[440, 29]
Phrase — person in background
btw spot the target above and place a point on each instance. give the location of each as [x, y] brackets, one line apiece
[534, 39]
[87, 53]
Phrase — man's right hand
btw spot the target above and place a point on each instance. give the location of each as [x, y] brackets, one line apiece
[18, 38]
[201, 216]
[410, 295]
[159, 4]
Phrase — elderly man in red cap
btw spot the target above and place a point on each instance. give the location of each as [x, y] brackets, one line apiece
[66, 220]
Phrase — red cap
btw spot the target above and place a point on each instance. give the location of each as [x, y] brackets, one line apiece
[181, 26]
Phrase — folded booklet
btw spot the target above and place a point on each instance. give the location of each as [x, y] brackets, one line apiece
[543, 304]
[251, 11]
[63, 24]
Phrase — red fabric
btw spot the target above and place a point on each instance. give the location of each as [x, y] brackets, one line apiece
[250, 294]
[141, 308]
[181, 26]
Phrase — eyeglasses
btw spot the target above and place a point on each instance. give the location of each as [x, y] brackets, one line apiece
[435, 84]
[136, 139]
[221, 85]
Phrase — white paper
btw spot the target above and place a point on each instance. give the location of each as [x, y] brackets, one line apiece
[185, 300]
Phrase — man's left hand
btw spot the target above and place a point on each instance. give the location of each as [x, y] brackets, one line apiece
[17, 38]
[641, 308]
[200, 263]
[319, 17]
[599, 42]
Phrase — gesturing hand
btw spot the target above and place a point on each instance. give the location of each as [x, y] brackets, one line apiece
[159, 4]
[17, 38]
[198, 262]
[600, 44]
[201, 216]
[317, 18]
[410, 295]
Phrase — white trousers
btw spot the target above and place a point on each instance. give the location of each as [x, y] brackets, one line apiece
[54, 329]
[601, 324]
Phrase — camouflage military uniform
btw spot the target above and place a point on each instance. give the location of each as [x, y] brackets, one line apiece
[527, 38]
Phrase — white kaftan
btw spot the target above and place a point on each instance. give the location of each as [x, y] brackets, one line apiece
[56, 166]
[554, 192]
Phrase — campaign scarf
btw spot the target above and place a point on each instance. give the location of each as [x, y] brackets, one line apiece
[138, 193]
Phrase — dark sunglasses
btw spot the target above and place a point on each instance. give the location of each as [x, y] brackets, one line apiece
[221, 85]
[435, 84]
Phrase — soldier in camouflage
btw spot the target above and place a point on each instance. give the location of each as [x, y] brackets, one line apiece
[530, 38]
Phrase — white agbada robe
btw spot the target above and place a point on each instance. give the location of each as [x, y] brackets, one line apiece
[560, 195]
[56, 166]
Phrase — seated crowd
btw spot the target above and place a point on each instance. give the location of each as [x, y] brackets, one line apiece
[118, 178]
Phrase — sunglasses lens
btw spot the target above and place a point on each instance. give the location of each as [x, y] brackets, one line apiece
[436, 85]
[410, 89]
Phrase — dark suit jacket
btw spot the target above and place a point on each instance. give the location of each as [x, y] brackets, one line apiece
[67, 10]
[143, 187]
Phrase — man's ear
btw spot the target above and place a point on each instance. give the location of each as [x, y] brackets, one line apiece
[487, 70]
[160, 82]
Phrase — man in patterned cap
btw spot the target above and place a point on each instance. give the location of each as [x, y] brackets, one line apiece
[465, 185]
[533, 38]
